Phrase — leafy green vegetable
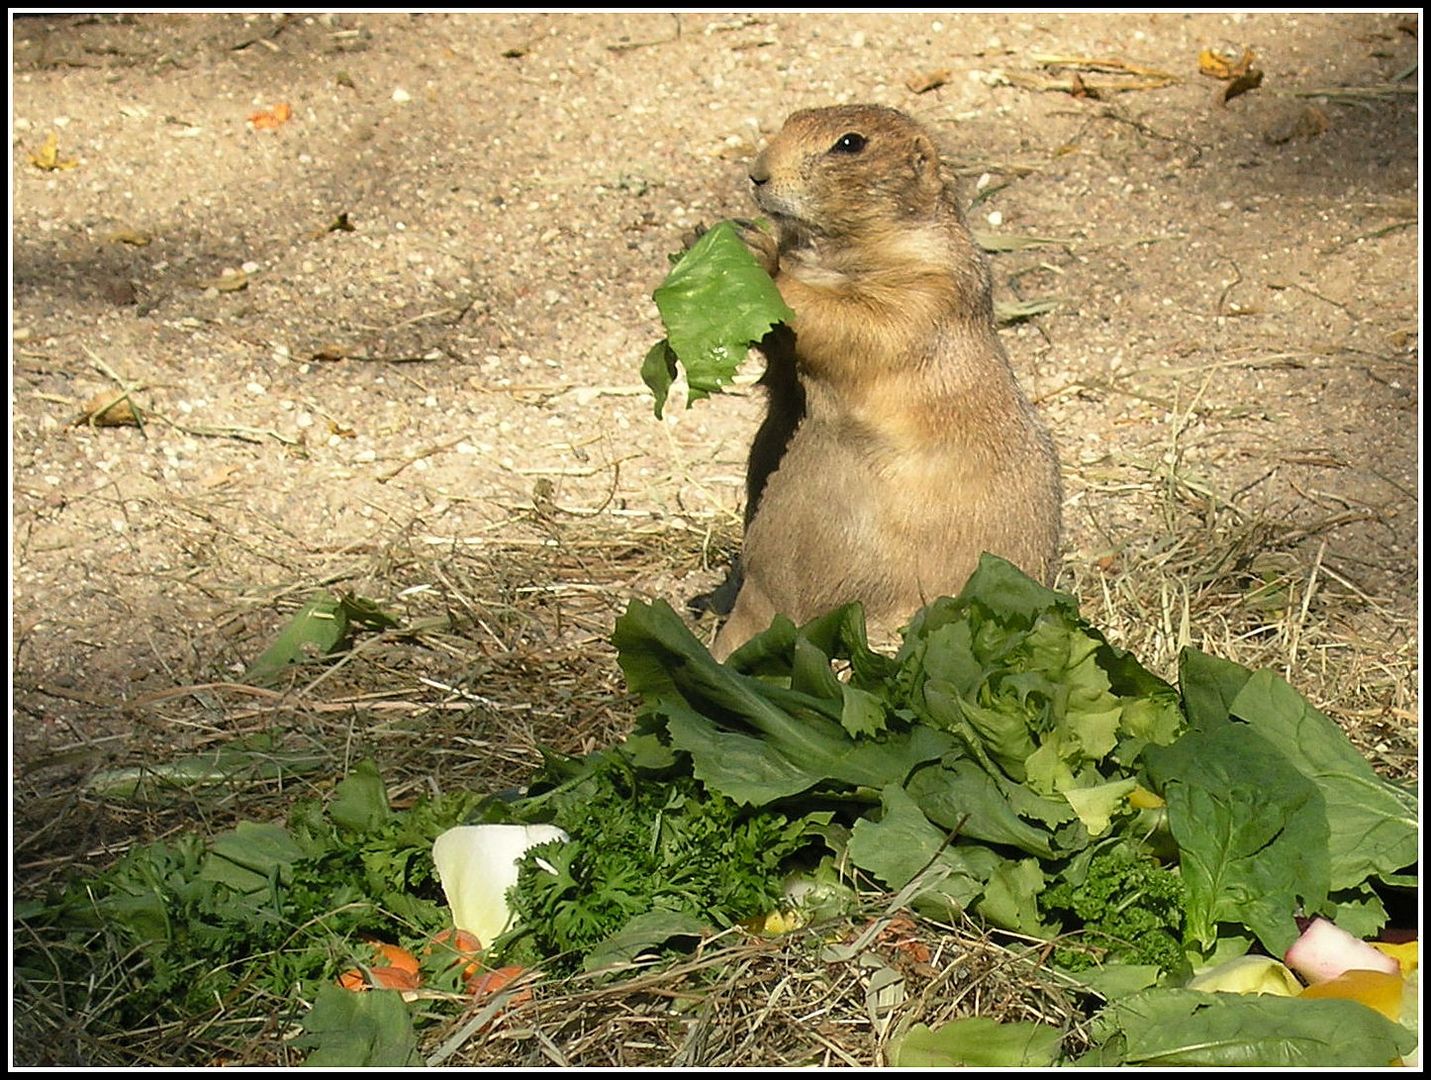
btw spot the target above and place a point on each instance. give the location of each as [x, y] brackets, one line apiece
[253, 857]
[360, 802]
[347, 1030]
[1038, 695]
[1128, 905]
[1010, 899]
[1304, 822]
[1011, 312]
[977, 1042]
[1373, 823]
[749, 738]
[961, 796]
[1251, 833]
[903, 845]
[321, 627]
[1003, 742]
[248, 760]
[1209, 686]
[986, 768]
[643, 933]
[262, 908]
[1171, 1027]
[1003, 733]
[716, 302]
[644, 861]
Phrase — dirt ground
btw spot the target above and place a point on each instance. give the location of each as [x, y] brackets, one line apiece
[390, 345]
[448, 252]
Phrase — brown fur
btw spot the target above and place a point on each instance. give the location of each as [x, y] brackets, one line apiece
[897, 445]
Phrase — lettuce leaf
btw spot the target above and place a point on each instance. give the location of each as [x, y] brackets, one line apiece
[902, 845]
[1373, 822]
[1174, 1027]
[977, 1042]
[715, 303]
[1251, 833]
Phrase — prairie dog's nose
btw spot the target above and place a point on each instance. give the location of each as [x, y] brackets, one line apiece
[759, 171]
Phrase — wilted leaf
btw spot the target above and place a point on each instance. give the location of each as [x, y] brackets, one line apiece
[47, 157]
[996, 242]
[1109, 64]
[360, 801]
[897, 934]
[1238, 72]
[1006, 313]
[235, 764]
[1220, 65]
[320, 627]
[338, 224]
[641, 933]
[1125, 77]
[271, 119]
[1080, 89]
[228, 281]
[1249, 80]
[923, 82]
[133, 237]
[110, 408]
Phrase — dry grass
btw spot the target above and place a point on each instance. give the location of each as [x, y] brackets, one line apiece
[801, 1000]
[504, 651]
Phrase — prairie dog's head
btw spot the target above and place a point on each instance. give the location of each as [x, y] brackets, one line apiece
[847, 170]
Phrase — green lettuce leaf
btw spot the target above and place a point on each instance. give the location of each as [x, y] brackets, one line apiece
[962, 797]
[1251, 833]
[1373, 822]
[903, 845]
[715, 303]
[1209, 685]
[977, 1042]
[1011, 895]
[252, 857]
[642, 933]
[749, 738]
[1175, 1027]
[347, 1030]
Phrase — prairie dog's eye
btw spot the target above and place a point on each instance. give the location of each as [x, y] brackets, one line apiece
[850, 143]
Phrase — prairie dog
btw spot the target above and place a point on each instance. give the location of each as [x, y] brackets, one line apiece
[897, 445]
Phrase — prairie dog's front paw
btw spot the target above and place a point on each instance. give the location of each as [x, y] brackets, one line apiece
[762, 244]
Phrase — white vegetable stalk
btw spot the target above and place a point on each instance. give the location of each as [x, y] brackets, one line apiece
[477, 864]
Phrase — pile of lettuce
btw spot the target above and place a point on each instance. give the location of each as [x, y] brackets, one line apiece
[1011, 763]
[1008, 745]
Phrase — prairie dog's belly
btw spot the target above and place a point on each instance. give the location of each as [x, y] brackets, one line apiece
[839, 521]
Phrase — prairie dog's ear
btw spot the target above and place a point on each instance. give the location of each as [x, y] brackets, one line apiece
[926, 163]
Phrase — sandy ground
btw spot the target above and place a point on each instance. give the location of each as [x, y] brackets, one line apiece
[449, 247]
